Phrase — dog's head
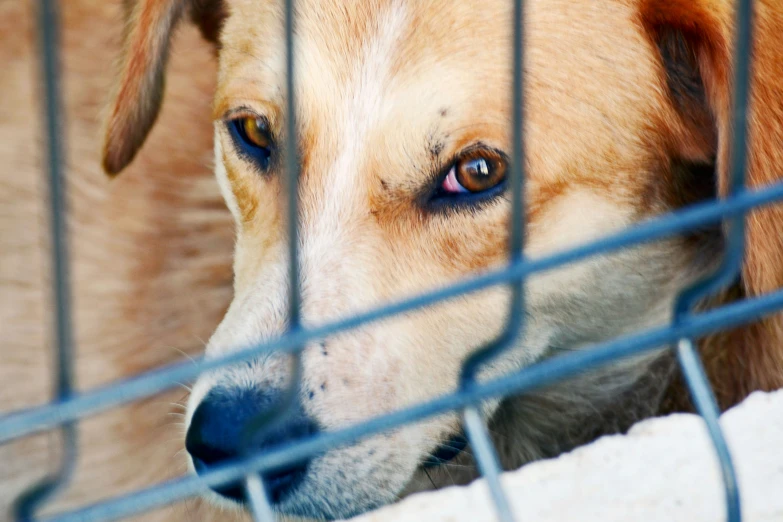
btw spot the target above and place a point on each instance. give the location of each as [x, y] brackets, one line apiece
[404, 136]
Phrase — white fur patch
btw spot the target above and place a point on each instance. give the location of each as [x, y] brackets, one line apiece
[361, 105]
[223, 181]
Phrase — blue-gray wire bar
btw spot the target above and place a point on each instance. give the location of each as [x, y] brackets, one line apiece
[731, 265]
[260, 506]
[472, 421]
[538, 375]
[48, 416]
[31, 500]
[69, 407]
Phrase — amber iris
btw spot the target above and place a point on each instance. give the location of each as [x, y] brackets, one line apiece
[256, 132]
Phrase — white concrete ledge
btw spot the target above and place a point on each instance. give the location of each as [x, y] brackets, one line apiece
[663, 470]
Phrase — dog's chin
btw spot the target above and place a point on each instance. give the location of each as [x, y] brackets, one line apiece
[226, 498]
[317, 500]
[224, 503]
[299, 506]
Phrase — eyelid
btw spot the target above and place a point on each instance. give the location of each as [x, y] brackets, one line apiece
[481, 149]
[238, 113]
[235, 115]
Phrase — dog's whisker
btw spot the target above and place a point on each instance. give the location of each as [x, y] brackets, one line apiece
[178, 454]
[426, 472]
[451, 477]
[178, 440]
[453, 465]
[181, 427]
[178, 406]
[184, 354]
[185, 386]
[199, 339]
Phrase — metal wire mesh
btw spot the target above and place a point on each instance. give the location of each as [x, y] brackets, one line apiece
[68, 408]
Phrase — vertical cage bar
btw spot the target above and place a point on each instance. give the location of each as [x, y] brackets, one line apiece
[476, 431]
[734, 226]
[515, 317]
[731, 264]
[701, 393]
[487, 461]
[292, 191]
[292, 188]
[48, 24]
[261, 508]
[292, 174]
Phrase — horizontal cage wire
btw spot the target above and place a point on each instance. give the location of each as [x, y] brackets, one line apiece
[68, 407]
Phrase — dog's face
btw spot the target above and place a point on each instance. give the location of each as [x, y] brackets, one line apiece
[404, 134]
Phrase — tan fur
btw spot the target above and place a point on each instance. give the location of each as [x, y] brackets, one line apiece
[387, 92]
[136, 242]
[749, 358]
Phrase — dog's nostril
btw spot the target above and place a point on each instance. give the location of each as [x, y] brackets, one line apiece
[218, 433]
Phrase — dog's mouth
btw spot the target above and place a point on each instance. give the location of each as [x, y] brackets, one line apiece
[447, 451]
[280, 484]
[276, 483]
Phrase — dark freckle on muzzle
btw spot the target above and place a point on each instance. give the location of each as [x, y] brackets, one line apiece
[220, 433]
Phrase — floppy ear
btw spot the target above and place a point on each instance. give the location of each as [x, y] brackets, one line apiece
[139, 92]
[695, 39]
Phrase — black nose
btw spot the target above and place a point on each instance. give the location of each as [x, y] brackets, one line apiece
[221, 431]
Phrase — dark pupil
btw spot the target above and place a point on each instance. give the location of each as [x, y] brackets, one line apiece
[477, 168]
[260, 154]
[259, 127]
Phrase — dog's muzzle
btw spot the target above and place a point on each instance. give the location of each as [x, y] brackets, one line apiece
[222, 431]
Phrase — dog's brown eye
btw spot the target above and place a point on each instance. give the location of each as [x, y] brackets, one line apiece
[477, 172]
[253, 139]
[256, 132]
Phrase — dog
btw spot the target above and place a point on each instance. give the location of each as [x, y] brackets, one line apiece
[404, 139]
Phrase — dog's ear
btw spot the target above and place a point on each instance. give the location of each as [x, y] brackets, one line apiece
[139, 92]
[695, 41]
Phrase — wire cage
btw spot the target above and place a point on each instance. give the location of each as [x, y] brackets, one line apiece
[67, 407]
